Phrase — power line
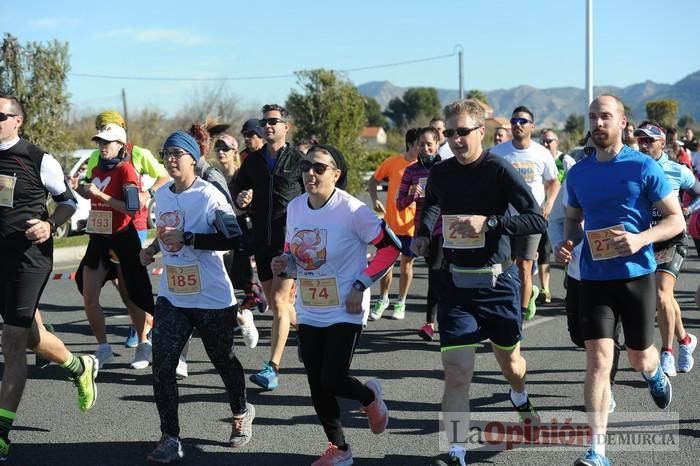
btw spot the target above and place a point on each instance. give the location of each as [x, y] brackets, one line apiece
[250, 78]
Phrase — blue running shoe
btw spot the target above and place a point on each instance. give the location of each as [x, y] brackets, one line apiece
[132, 340]
[267, 378]
[660, 389]
[592, 458]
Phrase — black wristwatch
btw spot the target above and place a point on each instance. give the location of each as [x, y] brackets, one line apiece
[52, 224]
[359, 286]
[492, 222]
[188, 238]
[151, 193]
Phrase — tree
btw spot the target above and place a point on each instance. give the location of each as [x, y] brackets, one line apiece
[330, 108]
[478, 95]
[574, 124]
[665, 111]
[373, 112]
[416, 102]
[686, 121]
[396, 111]
[36, 74]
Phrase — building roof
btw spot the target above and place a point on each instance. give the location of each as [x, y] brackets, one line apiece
[371, 131]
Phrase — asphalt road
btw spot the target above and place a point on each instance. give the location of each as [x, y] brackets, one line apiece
[123, 426]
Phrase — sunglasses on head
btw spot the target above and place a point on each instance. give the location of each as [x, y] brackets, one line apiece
[5, 116]
[222, 147]
[176, 154]
[519, 121]
[319, 168]
[271, 121]
[448, 133]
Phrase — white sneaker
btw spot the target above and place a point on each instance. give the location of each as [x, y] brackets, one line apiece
[142, 357]
[248, 329]
[181, 369]
[668, 363]
[104, 355]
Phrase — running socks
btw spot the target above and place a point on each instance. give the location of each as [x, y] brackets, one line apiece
[518, 398]
[653, 375]
[686, 340]
[7, 418]
[275, 366]
[74, 366]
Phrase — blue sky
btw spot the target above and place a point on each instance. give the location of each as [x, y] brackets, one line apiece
[507, 43]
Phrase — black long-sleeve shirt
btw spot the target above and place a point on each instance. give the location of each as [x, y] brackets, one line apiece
[485, 187]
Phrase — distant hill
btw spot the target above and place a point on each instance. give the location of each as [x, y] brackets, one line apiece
[552, 106]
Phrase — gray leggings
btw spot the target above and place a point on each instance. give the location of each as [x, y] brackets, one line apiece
[172, 330]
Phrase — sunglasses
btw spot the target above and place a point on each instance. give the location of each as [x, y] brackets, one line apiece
[222, 147]
[547, 141]
[647, 141]
[448, 133]
[319, 168]
[519, 121]
[177, 155]
[271, 121]
[5, 116]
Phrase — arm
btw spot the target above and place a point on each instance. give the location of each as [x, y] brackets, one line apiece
[573, 235]
[671, 223]
[372, 189]
[551, 189]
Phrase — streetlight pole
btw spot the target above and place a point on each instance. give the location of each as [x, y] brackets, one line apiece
[589, 57]
[460, 54]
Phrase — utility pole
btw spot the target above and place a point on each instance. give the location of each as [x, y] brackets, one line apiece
[126, 116]
[589, 57]
[461, 72]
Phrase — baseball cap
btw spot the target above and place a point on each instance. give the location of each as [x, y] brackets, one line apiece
[111, 132]
[650, 131]
[252, 125]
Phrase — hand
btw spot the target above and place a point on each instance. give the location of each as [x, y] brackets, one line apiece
[172, 238]
[38, 231]
[625, 243]
[686, 212]
[244, 198]
[279, 264]
[470, 225]
[562, 251]
[420, 246]
[416, 191]
[546, 210]
[146, 256]
[379, 207]
[353, 304]
[92, 191]
[144, 198]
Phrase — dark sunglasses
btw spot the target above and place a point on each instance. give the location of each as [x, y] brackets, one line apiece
[5, 116]
[319, 168]
[547, 141]
[519, 121]
[448, 133]
[270, 121]
[647, 141]
[222, 146]
[177, 155]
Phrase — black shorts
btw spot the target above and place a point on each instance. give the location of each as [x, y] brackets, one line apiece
[670, 259]
[544, 250]
[263, 260]
[632, 301]
[20, 288]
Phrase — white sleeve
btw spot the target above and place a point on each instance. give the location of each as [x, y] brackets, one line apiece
[55, 182]
[550, 168]
[568, 162]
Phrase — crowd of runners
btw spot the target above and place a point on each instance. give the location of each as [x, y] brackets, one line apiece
[488, 222]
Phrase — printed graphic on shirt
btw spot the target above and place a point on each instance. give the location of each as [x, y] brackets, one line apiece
[172, 220]
[101, 184]
[309, 248]
[527, 170]
[7, 190]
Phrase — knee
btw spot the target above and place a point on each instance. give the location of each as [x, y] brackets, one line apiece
[599, 364]
[14, 342]
[457, 378]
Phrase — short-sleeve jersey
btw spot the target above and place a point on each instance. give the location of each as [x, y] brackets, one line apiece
[112, 182]
[535, 164]
[400, 221]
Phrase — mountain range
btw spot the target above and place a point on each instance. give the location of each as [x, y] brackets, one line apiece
[552, 106]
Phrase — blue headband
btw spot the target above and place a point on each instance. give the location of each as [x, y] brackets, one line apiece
[185, 142]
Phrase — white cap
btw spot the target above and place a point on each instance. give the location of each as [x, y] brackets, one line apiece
[111, 132]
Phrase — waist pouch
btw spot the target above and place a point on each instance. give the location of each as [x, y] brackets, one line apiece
[475, 277]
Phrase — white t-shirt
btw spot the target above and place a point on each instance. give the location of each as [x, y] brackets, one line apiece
[193, 210]
[535, 164]
[329, 246]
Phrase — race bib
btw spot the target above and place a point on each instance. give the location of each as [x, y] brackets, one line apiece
[665, 255]
[100, 222]
[599, 243]
[457, 240]
[183, 279]
[528, 170]
[7, 190]
[319, 292]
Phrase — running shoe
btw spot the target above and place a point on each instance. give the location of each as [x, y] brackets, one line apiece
[377, 412]
[532, 306]
[248, 329]
[181, 369]
[85, 383]
[104, 355]
[169, 450]
[132, 341]
[427, 331]
[399, 311]
[334, 456]
[685, 354]
[660, 389]
[457, 457]
[378, 309]
[39, 361]
[545, 297]
[142, 357]
[5, 449]
[259, 297]
[668, 363]
[526, 411]
[592, 458]
[267, 378]
[242, 428]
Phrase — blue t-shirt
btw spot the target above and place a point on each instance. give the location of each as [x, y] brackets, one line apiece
[620, 191]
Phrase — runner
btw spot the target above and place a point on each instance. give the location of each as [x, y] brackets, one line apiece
[669, 256]
[27, 176]
[326, 245]
[412, 191]
[187, 210]
[613, 192]
[479, 285]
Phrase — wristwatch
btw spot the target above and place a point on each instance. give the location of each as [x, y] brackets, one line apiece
[52, 224]
[492, 222]
[188, 238]
[359, 286]
[151, 193]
